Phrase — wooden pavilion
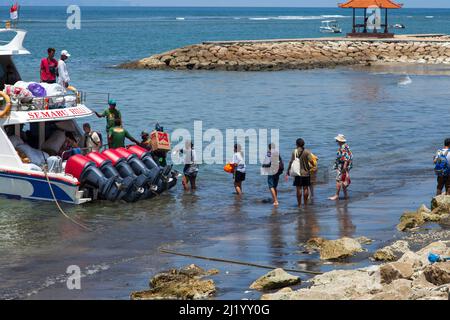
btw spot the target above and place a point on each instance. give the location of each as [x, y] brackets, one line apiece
[366, 4]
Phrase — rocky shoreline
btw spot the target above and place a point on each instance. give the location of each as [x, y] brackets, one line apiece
[297, 54]
[404, 273]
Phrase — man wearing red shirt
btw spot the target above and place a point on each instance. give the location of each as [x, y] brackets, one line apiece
[49, 67]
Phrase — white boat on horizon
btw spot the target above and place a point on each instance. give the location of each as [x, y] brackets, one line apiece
[330, 26]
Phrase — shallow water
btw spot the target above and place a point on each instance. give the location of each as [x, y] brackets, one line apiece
[393, 131]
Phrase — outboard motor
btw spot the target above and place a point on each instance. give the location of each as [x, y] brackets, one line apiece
[129, 191]
[88, 174]
[168, 176]
[140, 168]
[124, 169]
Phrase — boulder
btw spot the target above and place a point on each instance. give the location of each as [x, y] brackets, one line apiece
[392, 252]
[442, 203]
[397, 290]
[283, 294]
[275, 279]
[185, 283]
[444, 222]
[338, 249]
[341, 285]
[315, 243]
[439, 247]
[395, 270]
[364, 240]
[410, 220]
[438, 273]
[413, 259]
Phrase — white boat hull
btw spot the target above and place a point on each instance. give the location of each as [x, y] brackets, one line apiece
[34, 186]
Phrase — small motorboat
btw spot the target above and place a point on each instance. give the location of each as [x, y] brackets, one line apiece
[330, 26]
[399, 26]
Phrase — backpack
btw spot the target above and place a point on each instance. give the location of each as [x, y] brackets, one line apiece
[100, 136]
[441, 165]
[313, 164]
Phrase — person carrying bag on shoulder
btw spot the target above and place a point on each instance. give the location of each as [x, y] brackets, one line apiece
[299, 169]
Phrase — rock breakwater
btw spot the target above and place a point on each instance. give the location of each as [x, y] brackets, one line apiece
[297, 54]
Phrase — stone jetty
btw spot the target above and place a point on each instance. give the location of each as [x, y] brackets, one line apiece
[267, 55]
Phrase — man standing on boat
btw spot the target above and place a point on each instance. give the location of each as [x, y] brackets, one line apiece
[63, 73]
[111, 114]
[49, 67]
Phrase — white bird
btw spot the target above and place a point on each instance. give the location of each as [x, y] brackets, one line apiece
[404, 81]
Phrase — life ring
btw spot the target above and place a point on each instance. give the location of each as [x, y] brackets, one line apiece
[72, 88]
[5, 112]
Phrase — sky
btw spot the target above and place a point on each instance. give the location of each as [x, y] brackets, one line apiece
[221, 3]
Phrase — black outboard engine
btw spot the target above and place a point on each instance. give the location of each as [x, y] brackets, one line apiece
[129, 191]
[124, 169]
[168, 176]
[154, 174]
[89, 175]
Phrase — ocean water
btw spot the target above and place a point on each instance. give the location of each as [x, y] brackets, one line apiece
[393, 131]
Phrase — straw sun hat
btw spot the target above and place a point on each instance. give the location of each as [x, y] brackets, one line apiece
[340, 138]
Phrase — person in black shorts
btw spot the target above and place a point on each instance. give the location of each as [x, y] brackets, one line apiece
[239, 168]
[302, 179]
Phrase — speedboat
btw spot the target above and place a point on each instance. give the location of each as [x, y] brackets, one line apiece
[34, 127]
[399, 26]
[330, 26]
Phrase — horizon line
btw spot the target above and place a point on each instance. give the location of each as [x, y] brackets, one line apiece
[194, 6]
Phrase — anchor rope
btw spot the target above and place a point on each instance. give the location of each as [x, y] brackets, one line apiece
[59, 206]
[243, 263]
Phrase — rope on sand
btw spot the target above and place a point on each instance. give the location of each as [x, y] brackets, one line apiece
[242, 263]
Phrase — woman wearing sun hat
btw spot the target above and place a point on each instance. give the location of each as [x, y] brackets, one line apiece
[342, 165]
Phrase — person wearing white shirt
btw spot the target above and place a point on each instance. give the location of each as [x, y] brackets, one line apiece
[63, 73]
[92, 140]
[239, 168]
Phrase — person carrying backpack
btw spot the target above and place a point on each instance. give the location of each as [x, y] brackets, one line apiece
[92, 139]
[273, 167]
[442, 168]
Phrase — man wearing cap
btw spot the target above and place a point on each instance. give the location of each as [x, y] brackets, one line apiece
[342, 165]
[63, 73]
[111, 114]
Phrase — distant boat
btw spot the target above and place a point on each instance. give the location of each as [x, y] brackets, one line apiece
[330, 26]
[180, 18]
[399, 26]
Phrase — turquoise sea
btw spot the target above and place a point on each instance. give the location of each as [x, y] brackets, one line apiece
[392, 129]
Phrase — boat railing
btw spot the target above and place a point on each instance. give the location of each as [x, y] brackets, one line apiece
[67, 100]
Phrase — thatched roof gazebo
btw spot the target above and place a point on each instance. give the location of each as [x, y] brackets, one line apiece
[366, 4]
